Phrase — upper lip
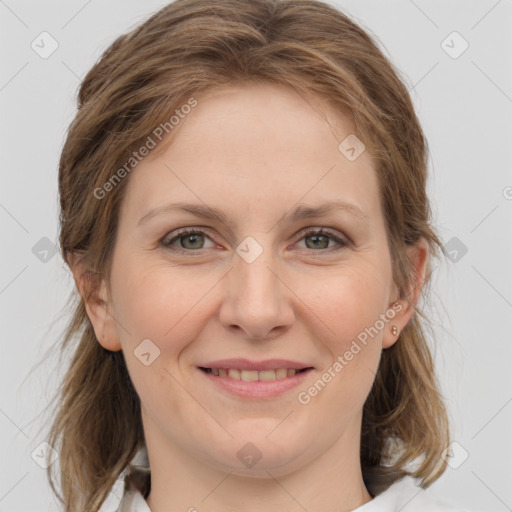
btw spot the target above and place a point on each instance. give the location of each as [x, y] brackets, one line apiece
[246, 364]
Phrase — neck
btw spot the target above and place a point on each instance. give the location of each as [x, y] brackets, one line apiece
[330, 483]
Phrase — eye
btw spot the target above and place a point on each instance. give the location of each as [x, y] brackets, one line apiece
[191, 240]
[319, 239]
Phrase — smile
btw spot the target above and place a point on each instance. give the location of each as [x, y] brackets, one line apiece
[254, 375]
[248, 379]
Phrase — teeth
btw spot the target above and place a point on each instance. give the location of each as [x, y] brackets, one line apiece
[254, 375]
[267, 375]
[281, 373]
[234, 374]
[248, 375]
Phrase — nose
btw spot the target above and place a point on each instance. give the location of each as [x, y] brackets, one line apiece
[257, 301]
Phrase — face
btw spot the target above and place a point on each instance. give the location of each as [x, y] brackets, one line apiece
[254, 323]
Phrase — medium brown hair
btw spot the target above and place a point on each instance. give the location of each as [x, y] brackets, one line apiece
[192, 47]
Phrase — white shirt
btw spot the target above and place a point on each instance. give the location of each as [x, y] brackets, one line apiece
[402, 496]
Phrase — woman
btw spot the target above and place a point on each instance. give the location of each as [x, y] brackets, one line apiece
[243, 209]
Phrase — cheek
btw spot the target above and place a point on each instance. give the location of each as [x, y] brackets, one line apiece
[161, 304]
[348, 313]
[157, 302]
[346, 302]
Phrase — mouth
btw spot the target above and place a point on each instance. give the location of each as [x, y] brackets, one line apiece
[252, 379]
[254, 375]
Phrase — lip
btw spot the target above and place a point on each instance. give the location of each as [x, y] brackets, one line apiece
[246, 364]
[256, 389]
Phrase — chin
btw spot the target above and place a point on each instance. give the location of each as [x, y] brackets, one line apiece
[255, 453]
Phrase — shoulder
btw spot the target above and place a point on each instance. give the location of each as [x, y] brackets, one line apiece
[406, 496]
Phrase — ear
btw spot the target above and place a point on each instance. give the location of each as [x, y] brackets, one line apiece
[404, 308]
[93, 290]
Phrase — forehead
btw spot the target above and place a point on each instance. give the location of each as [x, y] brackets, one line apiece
[255, 147]
[262, 116]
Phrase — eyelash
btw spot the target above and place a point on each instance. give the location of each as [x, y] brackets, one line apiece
[194, 231]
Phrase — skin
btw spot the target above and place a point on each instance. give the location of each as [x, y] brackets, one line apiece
[254, 152]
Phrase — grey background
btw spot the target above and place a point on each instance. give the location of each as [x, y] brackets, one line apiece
[465, 105]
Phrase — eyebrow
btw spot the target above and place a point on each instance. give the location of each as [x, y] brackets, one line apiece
[301, 212]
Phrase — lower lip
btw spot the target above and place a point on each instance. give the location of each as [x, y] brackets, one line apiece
[257, 389]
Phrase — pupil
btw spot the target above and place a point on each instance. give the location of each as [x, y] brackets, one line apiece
[194, 238]
[316, 245]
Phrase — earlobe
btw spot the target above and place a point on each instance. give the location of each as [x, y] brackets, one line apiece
[97, 307]
[393, 328]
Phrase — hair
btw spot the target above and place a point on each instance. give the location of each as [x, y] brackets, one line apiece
[191, 47]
